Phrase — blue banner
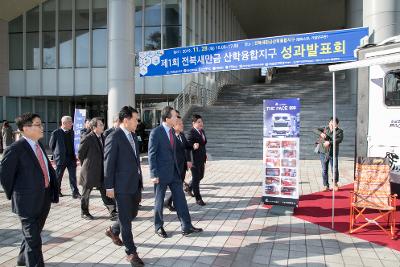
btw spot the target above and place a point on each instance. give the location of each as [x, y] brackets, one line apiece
[281, 151]
[79, 121]
[297, 49]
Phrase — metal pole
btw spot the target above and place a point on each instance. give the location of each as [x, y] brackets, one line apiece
[334, 147]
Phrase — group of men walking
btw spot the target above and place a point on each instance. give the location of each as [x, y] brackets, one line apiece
[112, 165]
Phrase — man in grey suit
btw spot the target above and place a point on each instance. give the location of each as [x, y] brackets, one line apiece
[165, 172]
[123, 180]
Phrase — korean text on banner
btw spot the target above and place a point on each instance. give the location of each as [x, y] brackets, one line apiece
[297, 49]
[79, 121]
[281, 151]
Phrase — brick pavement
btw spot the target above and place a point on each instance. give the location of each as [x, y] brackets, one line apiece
[238, 230]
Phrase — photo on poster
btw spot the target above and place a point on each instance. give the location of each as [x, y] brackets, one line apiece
[289, 145]
[288, 172]
[272, 181]
[272, 172]
[282, 118]
[289, 153]
[271, 190]
[288, 162]
[289, 181]
[288, 191]
[272, 162]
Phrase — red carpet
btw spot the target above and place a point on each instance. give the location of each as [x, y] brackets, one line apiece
[317, 208]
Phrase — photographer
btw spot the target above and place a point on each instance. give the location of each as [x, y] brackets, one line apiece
[325, 150]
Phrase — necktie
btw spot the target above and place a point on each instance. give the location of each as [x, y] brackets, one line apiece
[39, 155]
[132, 142]
[171, 138]
[202, 135]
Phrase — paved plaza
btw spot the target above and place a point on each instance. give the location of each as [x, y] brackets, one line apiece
[238, 230]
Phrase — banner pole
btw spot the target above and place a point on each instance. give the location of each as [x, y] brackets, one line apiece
[334, 147]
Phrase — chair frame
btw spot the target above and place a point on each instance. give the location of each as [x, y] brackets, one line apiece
[388, 209]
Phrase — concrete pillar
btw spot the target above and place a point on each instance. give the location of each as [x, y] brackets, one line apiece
[354, 18]
[120, 72]
[4, 84]
[382, 18]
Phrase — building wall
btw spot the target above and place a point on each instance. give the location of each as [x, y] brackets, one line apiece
[3, 57]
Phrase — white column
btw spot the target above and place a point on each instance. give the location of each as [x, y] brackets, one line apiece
[120, 72]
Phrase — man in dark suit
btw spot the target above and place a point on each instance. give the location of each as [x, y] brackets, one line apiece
[183, 155]
[197, 135]
[62, 145]
[112, 129]
[123, 180]
[91, 156]
[165, 172]
[30, 182]
[85, 130]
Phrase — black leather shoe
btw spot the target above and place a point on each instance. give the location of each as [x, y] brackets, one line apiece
[76, 195]
[87, 216]
[200, 202]
[192, 230]
[170, 207]
[21, 263]
[161, 232]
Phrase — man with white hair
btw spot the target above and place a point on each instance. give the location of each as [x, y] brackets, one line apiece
[62, 145]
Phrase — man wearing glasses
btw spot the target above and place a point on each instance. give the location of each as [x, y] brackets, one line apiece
[30, 182]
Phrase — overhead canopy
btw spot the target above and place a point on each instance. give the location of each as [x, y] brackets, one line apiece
[388, 59]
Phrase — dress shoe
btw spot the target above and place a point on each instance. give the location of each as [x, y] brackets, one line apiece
[200, 202]
[170, 207]
[21, 263]
[76, 195]
[135, 260]
[115, 239]
[87, 216]
[161, 232]
[192, 230]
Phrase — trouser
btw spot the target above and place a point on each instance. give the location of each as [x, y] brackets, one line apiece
[325, 162]
[169, 199]
[197, 175]
[179, 201]
[31, 247]
[108, 202]
[128, 206]
[71, 166]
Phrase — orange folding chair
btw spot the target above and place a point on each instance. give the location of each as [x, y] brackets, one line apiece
[372, 192]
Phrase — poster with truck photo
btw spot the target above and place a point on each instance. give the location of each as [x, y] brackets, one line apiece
[281, 151]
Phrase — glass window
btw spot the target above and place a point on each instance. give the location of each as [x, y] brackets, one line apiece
[26, 105]
[40, 108]
[99, 14]
[51, 111]
[65, 15]
[15, 51]
[15, 25]
[49, 16]
[392, 88]
[172, 12]
[138, 12]
[11, 108]
[82, 14]
[82, 48]
[32, 50]
[99, 51]
[172, 36]
[152, 13]
[138, 44]
[49, 50]
[152, 38]
[65, 49]
[32, 20]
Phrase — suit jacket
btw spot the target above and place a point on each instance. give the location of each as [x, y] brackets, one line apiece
[122, 171]
[58, 146]
[22, 179]
[199, 155]
[108, 132]
[183, 152]
[91, 156]
[162, 157]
